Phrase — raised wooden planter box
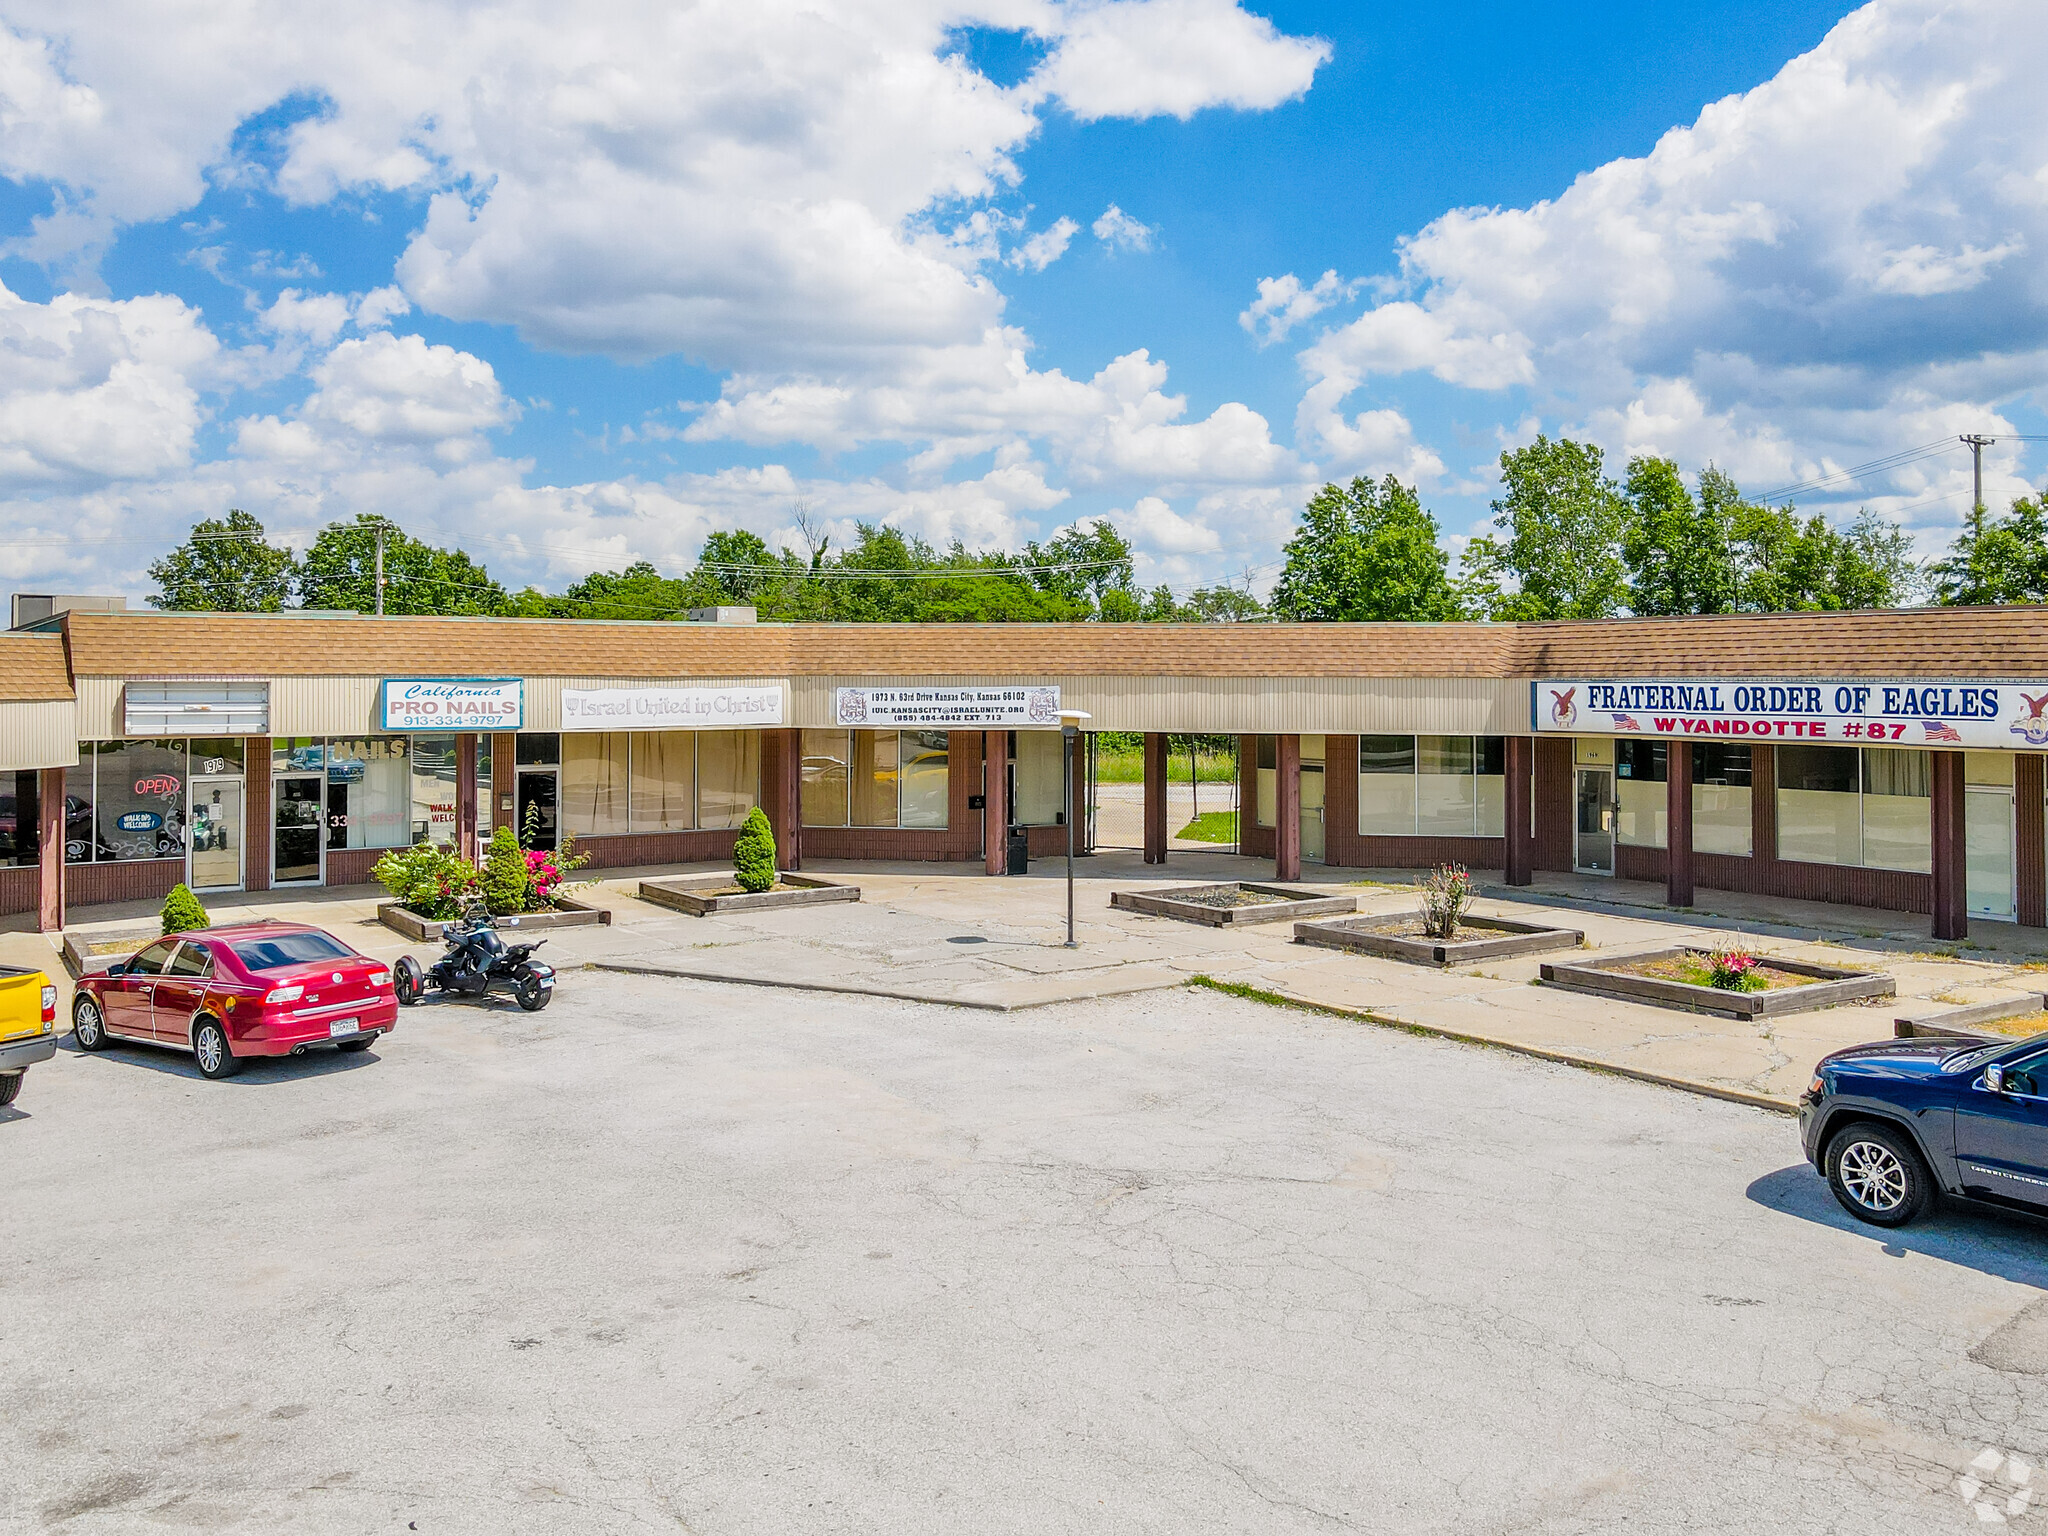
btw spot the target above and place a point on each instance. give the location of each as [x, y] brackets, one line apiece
[1830, 985]
[568, 913]
[89, 953]
[1490, 938]
[692, 894]
[1957, 1021]
[1183, 902]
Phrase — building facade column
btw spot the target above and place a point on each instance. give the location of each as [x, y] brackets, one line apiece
[1155, 797]
[2030, 834]
[50, 850]
[256, 813]
[466, 795]
[1678, 870]
[1287, 810]
[1763, 803]
[504, 781]
[1951, 866]
[783, 765]
[995, 810]
[1519, 861]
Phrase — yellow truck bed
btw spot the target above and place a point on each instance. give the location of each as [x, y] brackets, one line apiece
[28, 1025]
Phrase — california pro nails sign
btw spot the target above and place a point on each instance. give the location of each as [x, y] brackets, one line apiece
[1851, 711]
[454, 703]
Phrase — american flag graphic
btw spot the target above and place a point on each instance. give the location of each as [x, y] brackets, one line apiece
[1939, 732]
[1627, 723]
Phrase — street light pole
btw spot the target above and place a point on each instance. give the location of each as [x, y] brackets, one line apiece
[1070, 733]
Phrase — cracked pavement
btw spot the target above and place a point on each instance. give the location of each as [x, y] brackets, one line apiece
[686, 1257]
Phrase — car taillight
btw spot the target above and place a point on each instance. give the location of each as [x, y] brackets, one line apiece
[380, 978]
[284, 994]
[49, 1005]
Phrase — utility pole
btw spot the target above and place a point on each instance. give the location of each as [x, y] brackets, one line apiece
[1976, 442]
[380, 567]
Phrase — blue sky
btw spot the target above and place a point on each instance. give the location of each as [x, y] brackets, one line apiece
[573, 293]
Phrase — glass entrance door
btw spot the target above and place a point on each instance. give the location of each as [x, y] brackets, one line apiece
[1312, 813]
[1987, 850]
[298, 854]
[1593, 827]
[537, 797]
[214, 862]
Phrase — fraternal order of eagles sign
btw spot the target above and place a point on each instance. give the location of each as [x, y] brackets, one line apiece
[1852, 711]
[949, 708]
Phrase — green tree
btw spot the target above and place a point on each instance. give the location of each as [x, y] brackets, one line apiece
[226, 566]
[732, 564]
[1102, 552]
[1997, 559]
[1366, 551]
[1223, 605]
[1563, 522]
[1676, 547]
[637, 592]
[339, 571]
[1784, 563]
[753, 853]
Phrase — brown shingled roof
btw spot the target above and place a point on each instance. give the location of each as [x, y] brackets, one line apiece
[1922, 642]
[32, 669]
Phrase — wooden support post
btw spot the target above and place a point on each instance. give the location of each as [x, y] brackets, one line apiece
[256, 813]
[995, 811]
[466, 796]
[1519, 864]
[1951, 916]
[2030, 866]
[1155, 797]
[50, 851]
[1678, 823]
[1287, 811]
[504, 781]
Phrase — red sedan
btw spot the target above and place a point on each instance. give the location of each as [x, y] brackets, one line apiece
[226, 994]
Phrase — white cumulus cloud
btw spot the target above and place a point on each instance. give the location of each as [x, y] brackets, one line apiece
[1045, 247]
[1283, 303]
[1148, 58]
[1120, 232]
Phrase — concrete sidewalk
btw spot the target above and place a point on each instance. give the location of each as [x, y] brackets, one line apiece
[948, 934]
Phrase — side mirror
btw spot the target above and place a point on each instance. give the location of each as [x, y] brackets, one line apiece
[1994, 1079]
[118, 968]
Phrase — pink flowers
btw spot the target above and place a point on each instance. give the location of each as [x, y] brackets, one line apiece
[1734, 970]
[543, 871]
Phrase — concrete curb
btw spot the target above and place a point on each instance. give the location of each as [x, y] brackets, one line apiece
[1562, 1058]
[626, 968]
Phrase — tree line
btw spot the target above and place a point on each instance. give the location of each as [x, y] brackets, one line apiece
[230, 564]
[1570, 542]
[1567, 542]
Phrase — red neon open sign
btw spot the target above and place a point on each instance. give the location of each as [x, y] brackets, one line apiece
[163, 784]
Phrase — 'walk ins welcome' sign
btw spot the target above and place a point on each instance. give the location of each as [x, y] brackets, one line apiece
[454, 703]
[1852, 711]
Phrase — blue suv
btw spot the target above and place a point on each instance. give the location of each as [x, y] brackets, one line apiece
[1892, 1124]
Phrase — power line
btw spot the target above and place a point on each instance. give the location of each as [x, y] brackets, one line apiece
[1892, 461]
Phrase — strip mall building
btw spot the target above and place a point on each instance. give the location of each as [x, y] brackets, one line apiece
[1885, 759]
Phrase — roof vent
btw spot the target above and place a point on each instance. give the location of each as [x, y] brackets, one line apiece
[721, 615]
[36, 607]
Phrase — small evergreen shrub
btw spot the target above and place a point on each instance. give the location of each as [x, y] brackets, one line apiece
[182, 911]
[508, 877]
[429, 880]
[753, 853]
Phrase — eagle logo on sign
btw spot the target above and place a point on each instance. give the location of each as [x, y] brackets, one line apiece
[2031, 724]
[1562, 711]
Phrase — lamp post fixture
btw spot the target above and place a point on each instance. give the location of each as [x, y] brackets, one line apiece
[1070, 733]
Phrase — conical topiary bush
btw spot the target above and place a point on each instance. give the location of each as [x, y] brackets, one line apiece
[753, 853]
[182, 911]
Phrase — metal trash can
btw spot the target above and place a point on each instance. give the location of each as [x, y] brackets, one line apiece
[1019, 852]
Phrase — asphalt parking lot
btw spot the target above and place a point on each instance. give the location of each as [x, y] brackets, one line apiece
[687, 1257]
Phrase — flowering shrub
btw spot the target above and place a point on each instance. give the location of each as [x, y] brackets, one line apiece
[428, 879]
[1734, 970]
[1446, 892]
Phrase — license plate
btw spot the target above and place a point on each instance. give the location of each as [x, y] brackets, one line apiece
[343, 1027]
[547, 983]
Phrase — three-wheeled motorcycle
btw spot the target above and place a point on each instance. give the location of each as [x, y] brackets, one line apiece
[477, 963]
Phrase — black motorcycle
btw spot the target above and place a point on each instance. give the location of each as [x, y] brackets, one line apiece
[476, 964]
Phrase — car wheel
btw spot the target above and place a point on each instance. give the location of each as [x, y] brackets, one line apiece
[531, 995]
[88, 1024]
[210, 1048]
[408, 981]
[10, 1087]
[360, 1043]
[1878, 1176]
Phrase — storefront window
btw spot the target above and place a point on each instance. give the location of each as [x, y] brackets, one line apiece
[1433, 786]
[297, 754]
[1041, 779]
[874, 778]
[1720, 799]
[216, 757]
[728, 777]
[663, 791]
[594, 772]
[1854, 806]
[369, 793]
[136, 802]
[1266, 791]
[432, 817]
[537, 749]
[20, 818]
[1642, 807]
